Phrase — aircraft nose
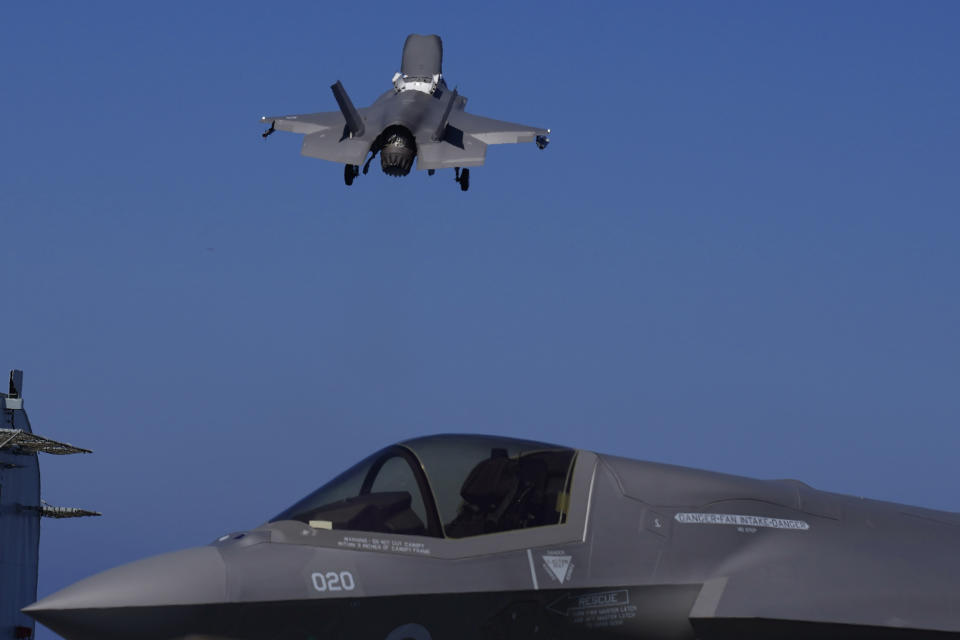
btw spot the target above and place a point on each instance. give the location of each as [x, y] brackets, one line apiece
[156, 597]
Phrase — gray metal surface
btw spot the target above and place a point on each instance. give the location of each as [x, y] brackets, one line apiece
[422, 55]
[642, 550]
[432, 123]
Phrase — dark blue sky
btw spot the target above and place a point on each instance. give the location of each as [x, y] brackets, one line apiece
[739, 252]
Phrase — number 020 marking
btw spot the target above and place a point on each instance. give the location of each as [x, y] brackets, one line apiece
[333, 581]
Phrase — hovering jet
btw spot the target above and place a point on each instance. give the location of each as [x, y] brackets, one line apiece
[419, 117]
[487, 538]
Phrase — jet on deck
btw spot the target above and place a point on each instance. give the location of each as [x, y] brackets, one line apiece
[487, 538]
[418, 118]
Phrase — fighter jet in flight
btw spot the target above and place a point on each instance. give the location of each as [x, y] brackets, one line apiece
[486, 538]
[419, 117]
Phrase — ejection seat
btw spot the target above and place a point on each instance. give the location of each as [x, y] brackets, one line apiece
[487, 492]
[502, 494]
[529, 506]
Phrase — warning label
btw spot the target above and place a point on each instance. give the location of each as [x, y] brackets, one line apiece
[559, 567]
[392, 545]
[596, 610]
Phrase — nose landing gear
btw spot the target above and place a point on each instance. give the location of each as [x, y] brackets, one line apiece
[463, 177]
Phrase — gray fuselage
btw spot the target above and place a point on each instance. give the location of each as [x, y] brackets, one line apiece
[526, 540]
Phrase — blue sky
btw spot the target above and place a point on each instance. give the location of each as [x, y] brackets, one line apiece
[739, 251]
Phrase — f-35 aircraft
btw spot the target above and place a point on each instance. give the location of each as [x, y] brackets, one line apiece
[486, 538]
[419, 117]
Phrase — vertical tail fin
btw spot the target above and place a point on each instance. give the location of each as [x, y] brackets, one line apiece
[350, 113]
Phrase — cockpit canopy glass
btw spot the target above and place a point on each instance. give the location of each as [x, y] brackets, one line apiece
[455, 486]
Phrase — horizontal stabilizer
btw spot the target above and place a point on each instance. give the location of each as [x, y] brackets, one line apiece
[455, 150]
[330, 145]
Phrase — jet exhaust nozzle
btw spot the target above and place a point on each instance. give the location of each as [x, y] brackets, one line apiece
[398, 151]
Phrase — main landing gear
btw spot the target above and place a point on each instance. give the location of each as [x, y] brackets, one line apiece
[366, 166]
[463, 177]
[350, 171]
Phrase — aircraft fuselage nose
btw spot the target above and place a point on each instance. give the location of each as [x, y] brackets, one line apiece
[154, 597]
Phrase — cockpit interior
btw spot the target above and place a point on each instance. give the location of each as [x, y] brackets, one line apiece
[452, 486]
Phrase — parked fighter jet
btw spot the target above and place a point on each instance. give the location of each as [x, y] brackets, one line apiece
[419, 117]
[478, 537]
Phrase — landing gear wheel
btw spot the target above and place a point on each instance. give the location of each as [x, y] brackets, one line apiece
[464, 180]
[350, 171]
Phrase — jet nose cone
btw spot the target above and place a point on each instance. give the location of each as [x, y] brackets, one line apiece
[156, 597]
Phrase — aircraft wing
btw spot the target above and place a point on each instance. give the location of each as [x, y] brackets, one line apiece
[466, 137]
[307, 122]
[489, 131]
[323, 136]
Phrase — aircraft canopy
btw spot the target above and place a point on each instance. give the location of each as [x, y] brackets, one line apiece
[448, 485]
